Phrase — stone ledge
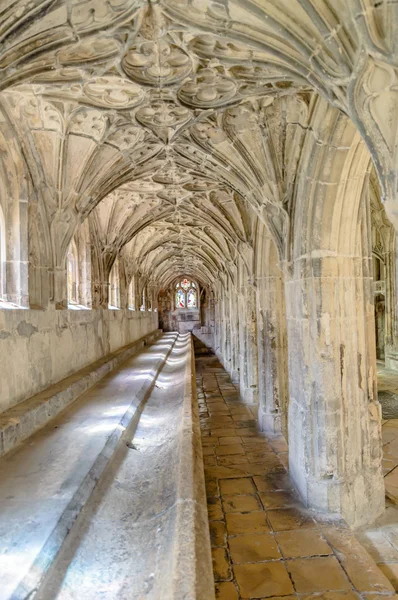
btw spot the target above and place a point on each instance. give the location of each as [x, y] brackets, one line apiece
[47, 554]
[24, 419]
[192, 562]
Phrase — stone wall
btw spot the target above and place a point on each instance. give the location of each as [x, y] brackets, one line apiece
[39, 348]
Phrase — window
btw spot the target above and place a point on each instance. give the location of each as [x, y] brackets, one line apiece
[180, 299]
[143, 307]
[132, 294]
[114, 286]
[2, 256]
[186, 295]
[72, 273]
[377, 269]
[191, 298]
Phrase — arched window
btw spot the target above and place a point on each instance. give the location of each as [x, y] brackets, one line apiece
[186, 294]
[132, 294]
[72, 273]
[378, 268]
[143, 300]
[180, 299]
[2, 256]
[191, 298]
[114, 286]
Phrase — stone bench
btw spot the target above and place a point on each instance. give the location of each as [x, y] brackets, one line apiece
[50, 478]
[21, 421]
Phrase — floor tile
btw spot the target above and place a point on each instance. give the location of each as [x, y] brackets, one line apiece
[214, 509]
[212, 487]
[289, 518]
[231, 460]
[221, 567]
[220, 432]
[243, 485]
[253, 548]
[240, 504]
[209, 440]
[229, 440]
[273, 482]
[361, 569]
[295, 544]
[276, 500]
[226, 591]
[263, 580]
[317, 574]
[218, 533]
[254, 522]
[230, 449]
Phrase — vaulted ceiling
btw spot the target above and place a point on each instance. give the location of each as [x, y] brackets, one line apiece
[174, 125]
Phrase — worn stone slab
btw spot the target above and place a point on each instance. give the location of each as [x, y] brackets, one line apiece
[152, 500]
[68, 457]
[21, 421]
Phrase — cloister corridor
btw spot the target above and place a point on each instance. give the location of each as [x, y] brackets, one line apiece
[198, 299]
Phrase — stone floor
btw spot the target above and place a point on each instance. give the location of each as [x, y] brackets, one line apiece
[381, 539]
[264, 543]
[390, 460]
[387, 382]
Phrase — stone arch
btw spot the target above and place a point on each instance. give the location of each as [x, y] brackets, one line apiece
[334, 417]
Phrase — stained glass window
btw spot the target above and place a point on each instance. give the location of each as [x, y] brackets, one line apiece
[180, 299]
[191, 298]
[186, 295]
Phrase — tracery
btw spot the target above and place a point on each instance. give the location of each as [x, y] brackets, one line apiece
[186, 295]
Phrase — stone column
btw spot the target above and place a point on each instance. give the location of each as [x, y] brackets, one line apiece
[217, 321]
[234, 335]
[99, 279]
[227, 342]
[334, 415]
[60, 289]
[272, 355]
[248, 345]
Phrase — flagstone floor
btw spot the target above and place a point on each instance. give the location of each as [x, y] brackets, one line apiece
[264, 543]
[381, 537]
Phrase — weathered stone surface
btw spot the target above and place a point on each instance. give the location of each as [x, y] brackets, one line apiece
[21, 421]
[69, 457]
[246, 146]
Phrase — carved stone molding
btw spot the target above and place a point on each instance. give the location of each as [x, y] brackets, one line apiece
[163, 118]
[208, 89]
[156, 63]
[112, 92]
